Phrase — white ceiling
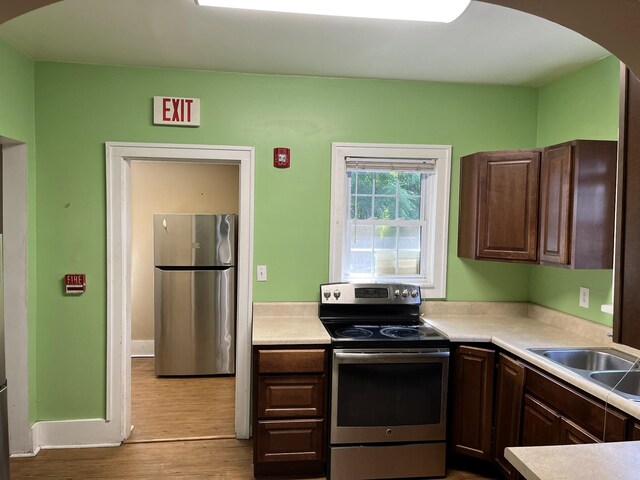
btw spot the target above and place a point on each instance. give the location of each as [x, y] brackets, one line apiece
[487, 44]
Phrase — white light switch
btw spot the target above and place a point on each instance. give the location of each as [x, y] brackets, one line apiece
[584, 297]
[262, 273]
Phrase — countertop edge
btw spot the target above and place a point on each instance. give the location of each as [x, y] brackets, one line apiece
[519, 465]
[270, 330]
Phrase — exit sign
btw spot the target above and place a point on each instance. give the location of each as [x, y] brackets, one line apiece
[178, 111]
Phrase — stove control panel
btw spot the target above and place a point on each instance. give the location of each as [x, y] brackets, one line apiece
[370, 293]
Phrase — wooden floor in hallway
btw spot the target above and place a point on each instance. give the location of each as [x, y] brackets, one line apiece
[179, 408]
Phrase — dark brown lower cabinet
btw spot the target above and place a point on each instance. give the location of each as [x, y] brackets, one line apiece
[473, 370]
[572, 434]
[290, 441]
[290, 396]
[529, 408]
[540, 423]
[576, 407]
[290, 390]
[508, 404]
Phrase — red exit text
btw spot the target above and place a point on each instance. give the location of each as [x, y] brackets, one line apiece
[176, 111]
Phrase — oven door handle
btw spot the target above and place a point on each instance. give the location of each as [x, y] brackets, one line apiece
[391, 357]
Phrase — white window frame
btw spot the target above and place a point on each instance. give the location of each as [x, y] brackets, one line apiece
[437, 222]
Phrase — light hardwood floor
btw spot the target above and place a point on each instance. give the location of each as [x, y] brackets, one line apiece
[191, 460]
[179, 408]
[164, 409]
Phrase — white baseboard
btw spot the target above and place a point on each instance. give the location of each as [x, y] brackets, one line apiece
[21, 455]
[142, 348]
[73, 434]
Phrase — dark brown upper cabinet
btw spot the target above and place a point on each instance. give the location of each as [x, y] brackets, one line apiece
[626, 310]
[574, 186]
[577, 203]
[499, 206]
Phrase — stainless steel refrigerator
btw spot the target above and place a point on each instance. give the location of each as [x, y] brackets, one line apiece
[194, 294]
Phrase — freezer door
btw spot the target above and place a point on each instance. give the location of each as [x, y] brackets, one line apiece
[4, 435]
[194, 322]
[185, 240]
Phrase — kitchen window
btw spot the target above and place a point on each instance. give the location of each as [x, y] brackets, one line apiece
[390, 213]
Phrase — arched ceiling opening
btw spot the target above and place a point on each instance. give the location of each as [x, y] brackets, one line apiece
[613, 24]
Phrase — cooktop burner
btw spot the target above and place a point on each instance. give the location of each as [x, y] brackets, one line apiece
[353, 332]
[402, 332]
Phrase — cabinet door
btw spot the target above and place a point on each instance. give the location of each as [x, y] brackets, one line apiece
[508, 205]
[508, 405]
[540, 423]
[626, 327]
[555, 204]
[635, 432]
[473, 401]
[572, 434]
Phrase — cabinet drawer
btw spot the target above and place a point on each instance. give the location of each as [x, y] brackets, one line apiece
[576, 406]
[290, 396]
[290, 441]
[291, 361]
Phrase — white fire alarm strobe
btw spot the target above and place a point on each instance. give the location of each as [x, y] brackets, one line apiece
[179, 111]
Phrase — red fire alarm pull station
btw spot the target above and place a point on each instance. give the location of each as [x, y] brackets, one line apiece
[75, 283]
[281, 157]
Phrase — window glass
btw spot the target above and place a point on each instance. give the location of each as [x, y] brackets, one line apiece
[386, 222]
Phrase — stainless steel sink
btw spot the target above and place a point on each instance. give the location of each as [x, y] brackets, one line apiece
[626, 383]
[608, 367]
[589, 359]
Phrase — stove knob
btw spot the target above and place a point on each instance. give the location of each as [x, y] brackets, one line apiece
[336, 294]
[327, 294]
[414, 293]
[397, 293]
[405, 293]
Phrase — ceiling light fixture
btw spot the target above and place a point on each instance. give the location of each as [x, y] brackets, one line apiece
[417, 10]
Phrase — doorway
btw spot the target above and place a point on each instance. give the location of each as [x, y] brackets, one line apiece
[15, 268]
[122, 158]
[167, 408]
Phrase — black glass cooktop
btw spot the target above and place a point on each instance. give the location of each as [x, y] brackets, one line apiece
[361, 332]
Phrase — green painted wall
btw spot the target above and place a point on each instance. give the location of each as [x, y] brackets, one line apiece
[17, 121]
[79, 107]
[584, 105]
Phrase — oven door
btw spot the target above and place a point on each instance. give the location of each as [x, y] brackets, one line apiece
[389, 395]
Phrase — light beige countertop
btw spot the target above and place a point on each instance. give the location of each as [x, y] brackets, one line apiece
[288, 324]
[595, 461]
[517, 327]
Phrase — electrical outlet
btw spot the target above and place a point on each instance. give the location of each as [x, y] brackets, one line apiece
[262, 273]
[584, 297]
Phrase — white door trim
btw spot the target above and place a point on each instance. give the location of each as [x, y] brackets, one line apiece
[15, 268]
[118, 157]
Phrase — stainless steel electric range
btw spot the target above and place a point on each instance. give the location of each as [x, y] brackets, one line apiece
[388, 386]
